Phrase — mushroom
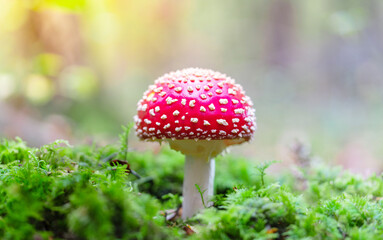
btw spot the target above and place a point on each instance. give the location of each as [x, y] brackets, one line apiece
[200, 113]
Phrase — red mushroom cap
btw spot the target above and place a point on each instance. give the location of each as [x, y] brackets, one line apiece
[195, 104]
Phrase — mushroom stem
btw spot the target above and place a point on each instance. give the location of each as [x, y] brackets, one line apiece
[197, 171]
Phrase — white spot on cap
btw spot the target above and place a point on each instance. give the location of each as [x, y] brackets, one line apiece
[235, 120]
[169, 100]
[152, 129]
[239, 110]
[158, 132]
[235, 101]
[210, 94]
[214, 130]
[191, 133]
[219, 91]
[222, 122]
[154, 99]
[162, 94]
[235, 131]
[211, 107]
[231, 91]
[194, 120]
[151, 111]
[176, 121]
[187, 128]
[221, 132]
[192, 103]
[158, 123]
[164, 117]
[178, 129]
[176, 113]
[171, 85]
[190, 88]
[206, 88]
[223, 109]
[178, 89]
[202, 109]
[205, 123]
[247, 119]
[199, 130]
[157, 109]
[136, 119]
[147, 121]
[167, 126]
[198, 87]
[183, 101]
[220, 84]
[223, 101]
[144, 107]
[203, 96]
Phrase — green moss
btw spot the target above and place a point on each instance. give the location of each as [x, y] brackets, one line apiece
[64, 192]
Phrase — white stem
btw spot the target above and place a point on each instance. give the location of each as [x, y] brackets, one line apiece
[197, 171]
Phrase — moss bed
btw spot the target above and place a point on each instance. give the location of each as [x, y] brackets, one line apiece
[90, 192]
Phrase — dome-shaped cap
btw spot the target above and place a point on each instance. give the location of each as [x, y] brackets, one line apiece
[195, 104]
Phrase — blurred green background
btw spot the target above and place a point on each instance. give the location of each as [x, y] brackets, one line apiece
[75, 69]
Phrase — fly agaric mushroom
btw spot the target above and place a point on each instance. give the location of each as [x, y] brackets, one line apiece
[200, 113]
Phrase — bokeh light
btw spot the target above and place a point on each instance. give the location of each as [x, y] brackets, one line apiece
[312, 68]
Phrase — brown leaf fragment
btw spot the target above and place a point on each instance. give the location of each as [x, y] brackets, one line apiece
[272, 230]
[188, 229]
[172, 214]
